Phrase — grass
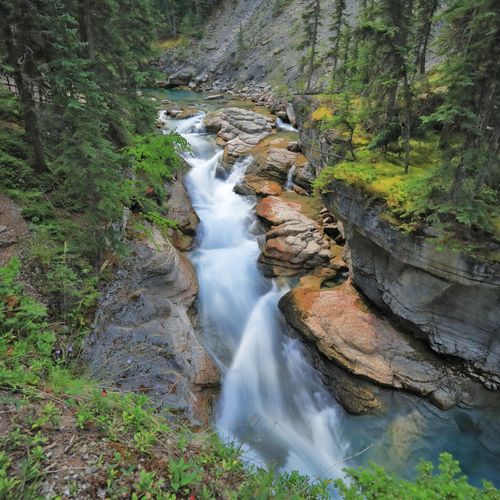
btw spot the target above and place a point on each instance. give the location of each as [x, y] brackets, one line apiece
[382, 174]
[64, 435]
[169, 43]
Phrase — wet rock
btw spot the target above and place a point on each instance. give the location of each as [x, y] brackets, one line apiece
[295, 244]
[294, 147]
[214, 97]
[181, 210]
[255, 185]
[342, 327]
[238, 129]
[143, 339]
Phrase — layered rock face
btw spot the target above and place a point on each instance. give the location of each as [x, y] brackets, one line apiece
[239, 130]
[344, 330]
[144, 340]
[295, 244]
[442, 295]
[181, 210]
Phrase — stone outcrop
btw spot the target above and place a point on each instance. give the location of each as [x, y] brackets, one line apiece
[342, 328]
[275, 157]
[260, 186]
[355, 338]
[13, 228]
[181, 210]
[239, 130]
[144, 340]
[295, 244]
[442, 295]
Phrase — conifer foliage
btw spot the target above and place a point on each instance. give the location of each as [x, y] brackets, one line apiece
[78, 66]
[386, 86]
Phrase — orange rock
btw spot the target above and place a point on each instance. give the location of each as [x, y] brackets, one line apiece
[347, 332]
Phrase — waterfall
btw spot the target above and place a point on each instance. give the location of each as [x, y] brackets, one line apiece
[289, 178]
[273, 401]
[281, 125]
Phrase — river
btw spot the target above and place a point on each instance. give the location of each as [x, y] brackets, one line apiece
[273, 403]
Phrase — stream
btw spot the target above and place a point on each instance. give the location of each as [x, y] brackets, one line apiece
[273, 403]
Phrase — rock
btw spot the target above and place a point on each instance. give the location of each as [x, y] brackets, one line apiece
[278, 162]
[214, 97]
[261, 186]
[13, 229]
[342, 327]
[294, 147]
[148, 343]
[7, 239]
[295, 244]
[181, 210]
[243, 189]
[181, 77]
[239, 129]
[292, 117]
[282, 115]
[426, 287]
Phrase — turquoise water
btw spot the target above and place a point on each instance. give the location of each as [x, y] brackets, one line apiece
[408, 429]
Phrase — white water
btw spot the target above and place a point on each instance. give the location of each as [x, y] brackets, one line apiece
[272, 401]
[289, 178]
[288, 127]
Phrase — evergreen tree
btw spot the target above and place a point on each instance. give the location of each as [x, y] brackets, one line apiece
[424, 17]
[385, 62]
[78, 65]
[470, 45]
[23, 36]
[339, 22]
[312, 22]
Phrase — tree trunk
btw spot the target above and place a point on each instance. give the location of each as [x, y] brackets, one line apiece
[86, 23]
[420, 63]
[19, 58]
[407, 130]
[314, 41]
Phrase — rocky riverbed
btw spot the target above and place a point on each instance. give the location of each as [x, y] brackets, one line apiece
[374, 363]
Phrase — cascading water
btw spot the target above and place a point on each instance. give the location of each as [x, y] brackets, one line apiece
[290, 177]
[272, 400]
[288, 127]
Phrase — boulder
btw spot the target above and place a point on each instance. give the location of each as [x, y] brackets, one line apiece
[292, 117]
[181, 77]
[295, 244]
[345, 330]
[181, 210]
[143, 339]
[294, 147]
[238, 129]
[255, 185]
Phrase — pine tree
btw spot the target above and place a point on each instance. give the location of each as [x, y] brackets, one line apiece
[424, 17]
[470, 45]
[337, 26]
[23, 30]
[385, 61]
[312, 22]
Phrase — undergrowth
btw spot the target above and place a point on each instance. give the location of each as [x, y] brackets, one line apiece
[63, 434]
